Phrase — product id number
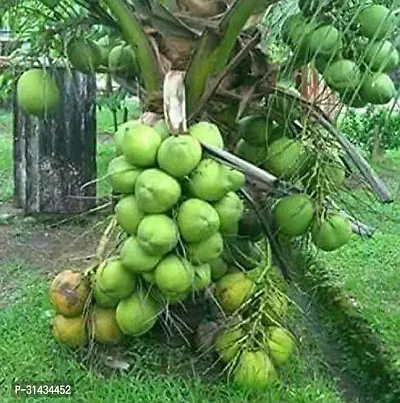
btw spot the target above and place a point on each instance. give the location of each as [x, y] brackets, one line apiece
[41, 389]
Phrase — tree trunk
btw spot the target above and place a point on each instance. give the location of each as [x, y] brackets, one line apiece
[55, 157]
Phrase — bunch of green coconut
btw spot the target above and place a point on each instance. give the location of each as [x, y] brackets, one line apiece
[268, 145]
[104, 55]
[183, 233]
[38, 92]
[349, 48]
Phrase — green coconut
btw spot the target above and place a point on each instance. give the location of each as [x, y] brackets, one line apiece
[334, 171]
[70, 331]
[157, 234]
[377, 89]
[175, 298]
[38, 93]
[393, 62]
[122, 175]
[353, 100]
[114, 280]
[255, 155]
[140, 145]
[105, 328]
[277, 133]
[179, 155]
[104, 47]
[120, 133]
[209, 181]
[285, 157]
[375, 21]
[84, 55]
[174, 275]
[104, 300]
[218, 268]
[293, 27]
[321, 63]
[135, 259]
[343, 75]
[162, 129]
[236, 178]
[300, 43]
[232, 290]
[156, 191]
[250, 225]
[149, 277]
[293, 214]
[381, 56]
[331, 233]
[227, 343]
[255, 130]
[137, 314]
[207, 133]
[128, 214]
[230, 208]
[197, 220]
[122, 61]
[280, 344]
[254, 370]
[206, 250]
[325, 41]
[202, 277]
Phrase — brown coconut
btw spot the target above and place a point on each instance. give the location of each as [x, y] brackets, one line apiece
[201, 8]
[69, 292]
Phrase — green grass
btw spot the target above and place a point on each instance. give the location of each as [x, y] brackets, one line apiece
[29, 353]
[369, 268]
[105, 120]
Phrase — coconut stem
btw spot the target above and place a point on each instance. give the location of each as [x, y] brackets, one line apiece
[133, 32]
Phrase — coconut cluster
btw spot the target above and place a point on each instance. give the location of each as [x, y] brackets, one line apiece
[184, 227]
[89, 56]
[70, 295]
[175, 207]
[267, 145]
[354, 62]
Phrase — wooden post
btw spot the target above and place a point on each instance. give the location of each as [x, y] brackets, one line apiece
[55, 157]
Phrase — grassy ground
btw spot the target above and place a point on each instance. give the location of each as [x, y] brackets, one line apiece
[31, 254]
[28, 353]
[368, 268]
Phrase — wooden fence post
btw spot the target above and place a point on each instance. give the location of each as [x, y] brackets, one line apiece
[55, 157]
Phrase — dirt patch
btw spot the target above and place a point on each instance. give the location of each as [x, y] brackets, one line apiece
[45, 247]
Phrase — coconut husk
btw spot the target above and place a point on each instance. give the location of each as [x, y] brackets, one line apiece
[201, 8]
[177, 50]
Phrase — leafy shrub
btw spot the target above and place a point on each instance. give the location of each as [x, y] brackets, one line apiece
[362, 128]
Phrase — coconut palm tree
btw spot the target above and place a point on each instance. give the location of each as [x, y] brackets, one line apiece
[213, 60]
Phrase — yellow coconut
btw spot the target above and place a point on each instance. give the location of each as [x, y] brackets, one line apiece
[232, 290]
[70, 331]
[105, 326]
